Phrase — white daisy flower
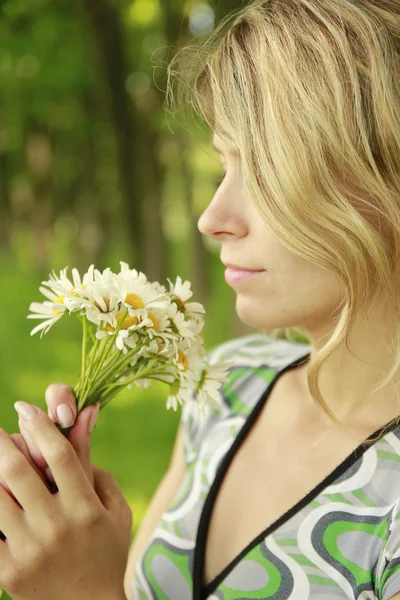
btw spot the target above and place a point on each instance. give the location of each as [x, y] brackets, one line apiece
[188, 360]
[58, 287]
[160, 289]
[101, 302]
[127, 339]
[151, 347]
[196, 326]
[178, 323]
[211, 379]
[181, 292]
[157, 323]
[102, 290]
[140, 321]
[135, 292]
[51, 312]
[126, 271]
[178, 394]
[143, 384]
[94, 293]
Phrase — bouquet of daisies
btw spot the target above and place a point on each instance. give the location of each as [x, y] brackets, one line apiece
[134, 331]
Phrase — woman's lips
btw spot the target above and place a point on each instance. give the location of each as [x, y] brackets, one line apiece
[235, 275]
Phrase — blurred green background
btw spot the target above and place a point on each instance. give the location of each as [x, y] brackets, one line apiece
[93, 170]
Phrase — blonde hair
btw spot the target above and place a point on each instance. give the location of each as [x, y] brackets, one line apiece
[308, 92]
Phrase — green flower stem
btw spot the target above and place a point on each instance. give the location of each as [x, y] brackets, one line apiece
[109, 394]
[108, 345]
[93, 353]
[103, 394]
[125, 359]
[87, 377]
[116, 364]
[139, 375]
[109, 391]
[79, 388]
[84, 346]
[94, 338]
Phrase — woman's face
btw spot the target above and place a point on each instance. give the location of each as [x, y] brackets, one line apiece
[287, 291]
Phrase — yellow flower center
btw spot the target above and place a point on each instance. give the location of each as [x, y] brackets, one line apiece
[182, 359]
[107, 301]
[154, 320]
[134, 301]
[59, 300]
[128, 322]
[73, 292]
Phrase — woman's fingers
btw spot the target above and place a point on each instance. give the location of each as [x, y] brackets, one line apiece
[59, 399]
[79, 438]
[26, 484]
[20, 443]
[61, 406]
[70, 477]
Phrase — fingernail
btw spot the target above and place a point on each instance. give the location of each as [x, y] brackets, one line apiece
[26, 411]
[93, 418]
[49, 475]
[58, 392]
[64, 415]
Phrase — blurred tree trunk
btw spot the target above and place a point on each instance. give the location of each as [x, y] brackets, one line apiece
[100, 210]
[39, 155]
[223, 7]
[155, 245]
[5, 213]
[197, 251]
[140, 186]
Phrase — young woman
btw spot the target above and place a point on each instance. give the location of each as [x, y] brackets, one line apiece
[291, 488]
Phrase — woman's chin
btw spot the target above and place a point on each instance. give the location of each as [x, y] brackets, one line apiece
[250, 313]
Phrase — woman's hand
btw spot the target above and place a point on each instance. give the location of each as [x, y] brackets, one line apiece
[72, 544]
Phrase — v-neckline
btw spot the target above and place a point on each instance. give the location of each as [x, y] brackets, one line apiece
[201, 592]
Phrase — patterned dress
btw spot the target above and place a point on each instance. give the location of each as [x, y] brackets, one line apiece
[342, 540]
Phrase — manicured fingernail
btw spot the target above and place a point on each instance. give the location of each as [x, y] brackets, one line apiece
[26, 411]
[64, 415]
[49, 475]
[93, 418]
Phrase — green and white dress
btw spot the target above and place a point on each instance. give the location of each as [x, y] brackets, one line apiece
[342, 540]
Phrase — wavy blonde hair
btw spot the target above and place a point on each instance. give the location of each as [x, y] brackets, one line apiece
[308, 92]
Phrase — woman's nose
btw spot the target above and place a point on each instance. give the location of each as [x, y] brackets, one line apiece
[221, 222]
